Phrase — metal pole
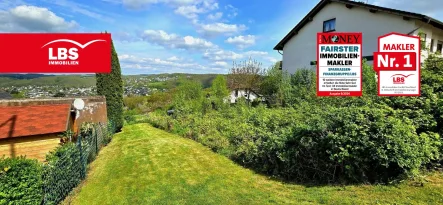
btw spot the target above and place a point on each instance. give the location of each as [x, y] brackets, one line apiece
[96, 141]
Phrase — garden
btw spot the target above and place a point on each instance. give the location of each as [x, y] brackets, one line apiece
[298, 137]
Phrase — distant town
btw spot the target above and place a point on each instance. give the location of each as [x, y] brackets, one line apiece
[71, 86]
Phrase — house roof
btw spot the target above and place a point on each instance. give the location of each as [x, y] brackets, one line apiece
[19, 121]
[309, 17]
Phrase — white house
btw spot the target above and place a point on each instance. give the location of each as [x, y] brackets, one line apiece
[299, 45]
[239, 93]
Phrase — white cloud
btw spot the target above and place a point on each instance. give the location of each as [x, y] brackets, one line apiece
[160, 37]
[140, 4]
[221, 55]
[233, 12]
[163, 66]
[215, 29]
[221, 63]
[242, 41]
[174, 58]
[189, 11]
[192, 11]
[33, 19]
[256, 53]
[216, 16]
[137, 4]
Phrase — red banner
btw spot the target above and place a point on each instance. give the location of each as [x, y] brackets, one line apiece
[55, 53]
[397, 63]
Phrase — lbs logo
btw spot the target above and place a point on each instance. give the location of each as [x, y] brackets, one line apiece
[399, 78]
[56, 52]
[66, 56]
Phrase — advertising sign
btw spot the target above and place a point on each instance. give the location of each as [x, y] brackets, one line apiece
[339, 64]
[397, 64]
[55, 53]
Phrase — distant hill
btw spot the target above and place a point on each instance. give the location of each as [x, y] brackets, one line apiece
[53, 80]
[23, 76]
[7, 80]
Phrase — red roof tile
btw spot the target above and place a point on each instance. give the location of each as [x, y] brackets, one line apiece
[18, 121]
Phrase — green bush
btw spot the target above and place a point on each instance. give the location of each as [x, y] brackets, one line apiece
[134, 102]
[63, 172]
[20, 181]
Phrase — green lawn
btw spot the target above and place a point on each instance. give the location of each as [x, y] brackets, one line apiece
[145, 165]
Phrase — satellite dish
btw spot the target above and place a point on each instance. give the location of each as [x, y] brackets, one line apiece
[79, 104]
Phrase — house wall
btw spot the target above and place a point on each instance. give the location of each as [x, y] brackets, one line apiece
[301, 49]
[34, 147]
[94, 111]
[431, 33]
[241, 93]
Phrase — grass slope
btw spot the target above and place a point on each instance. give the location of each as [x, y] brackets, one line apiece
[145, 165]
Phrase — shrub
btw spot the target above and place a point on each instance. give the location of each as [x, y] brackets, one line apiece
[134, 102]
[358, 144]
[20, 181]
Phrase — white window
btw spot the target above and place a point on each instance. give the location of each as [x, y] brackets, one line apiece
[329, 25]
[439, 46]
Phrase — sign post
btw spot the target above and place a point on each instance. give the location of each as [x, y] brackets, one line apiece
[339, 64]
[397, 64]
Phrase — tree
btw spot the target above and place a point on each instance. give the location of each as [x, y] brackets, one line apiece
[60, 94]
[111, 86]
[276, 85]
[18, 95]
[188, 96]
[219, 90]
[246, 75]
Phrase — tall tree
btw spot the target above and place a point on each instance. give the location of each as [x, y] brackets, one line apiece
[246, 75]
[111, 86]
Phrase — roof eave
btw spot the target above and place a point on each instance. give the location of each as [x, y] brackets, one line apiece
[322, 3]
[308, 17]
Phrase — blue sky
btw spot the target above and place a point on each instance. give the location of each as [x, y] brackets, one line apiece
[166, 36]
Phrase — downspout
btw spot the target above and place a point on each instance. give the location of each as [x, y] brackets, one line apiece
[281, 62]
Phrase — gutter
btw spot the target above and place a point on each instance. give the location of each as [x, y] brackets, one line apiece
[410, 33]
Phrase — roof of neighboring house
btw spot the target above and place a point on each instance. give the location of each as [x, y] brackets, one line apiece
[309, 17]
[19, 121]
[5, 95]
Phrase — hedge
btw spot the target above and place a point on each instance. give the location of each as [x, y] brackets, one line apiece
[20, 181]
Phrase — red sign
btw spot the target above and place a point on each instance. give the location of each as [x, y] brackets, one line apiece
[55, 53]
[397, 64]
[339, 64]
